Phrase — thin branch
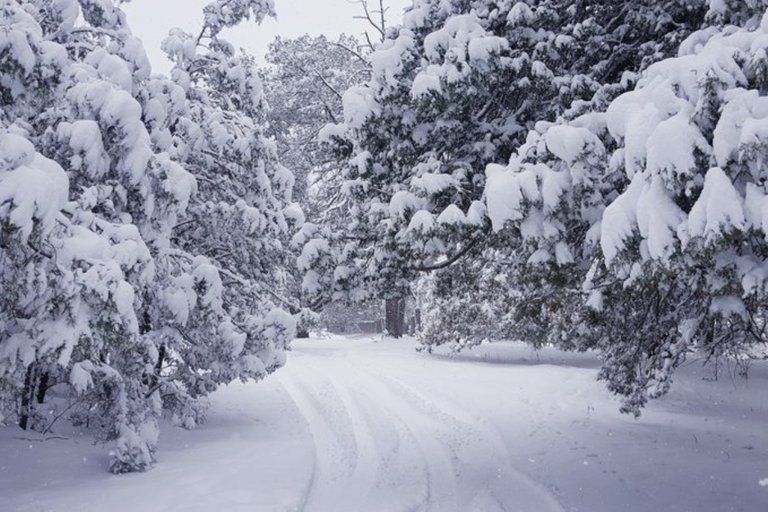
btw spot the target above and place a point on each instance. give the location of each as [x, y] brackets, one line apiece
[353, 52]
[450, 261]
[58, 416]
[380, 28]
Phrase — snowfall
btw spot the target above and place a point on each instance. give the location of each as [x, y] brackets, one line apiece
[369, 424]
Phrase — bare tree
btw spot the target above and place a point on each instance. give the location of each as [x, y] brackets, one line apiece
[375, 14]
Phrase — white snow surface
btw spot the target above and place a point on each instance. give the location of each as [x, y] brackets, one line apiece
[367, 424]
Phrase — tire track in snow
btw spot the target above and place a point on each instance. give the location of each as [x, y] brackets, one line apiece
[511, 489]
[346, 463]
[335, 482]
[394, 430]
[365, 473]
[437, 459]
[333, 489]
[303, 407]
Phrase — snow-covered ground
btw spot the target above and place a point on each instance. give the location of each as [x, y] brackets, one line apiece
[356, 424]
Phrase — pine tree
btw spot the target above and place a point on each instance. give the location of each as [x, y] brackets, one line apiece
[127, 270]
[455, 88]
[652, 209]
[80, 211]
[236, 238]
[686, 235]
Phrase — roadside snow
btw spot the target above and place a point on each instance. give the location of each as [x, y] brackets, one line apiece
[365, 425]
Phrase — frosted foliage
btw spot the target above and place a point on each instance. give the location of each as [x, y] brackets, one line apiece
[664, 150]
[33, 189]
[106, 286]
[677, 153]
[661, 206]
[456, 87]
[227, 13]
[237, 233]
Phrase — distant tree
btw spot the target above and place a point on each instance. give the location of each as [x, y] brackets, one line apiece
[374, 13]
[304, 83]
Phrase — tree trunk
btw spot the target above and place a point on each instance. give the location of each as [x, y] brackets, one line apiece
[302, 330]
[42, 387]
[154, 379]
[26, 399]
[395, 316]
[159, 364]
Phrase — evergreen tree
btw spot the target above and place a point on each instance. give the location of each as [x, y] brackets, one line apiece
[236, 238]
[125, 274]
[457, 87]
[80, 264]
[652, 210]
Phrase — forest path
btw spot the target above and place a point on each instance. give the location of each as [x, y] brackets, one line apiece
[384, 443]
[365, 424]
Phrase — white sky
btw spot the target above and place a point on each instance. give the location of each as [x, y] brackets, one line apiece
[151, 20]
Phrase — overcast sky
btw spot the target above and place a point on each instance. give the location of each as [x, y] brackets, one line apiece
[152, 19]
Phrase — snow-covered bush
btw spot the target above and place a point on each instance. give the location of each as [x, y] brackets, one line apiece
[114, 286]
[652, 213]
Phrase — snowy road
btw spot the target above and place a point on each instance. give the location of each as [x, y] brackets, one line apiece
[382, 444]
[360, 425]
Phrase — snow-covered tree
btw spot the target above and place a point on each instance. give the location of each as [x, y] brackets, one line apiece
[84, 196]
[745, 13]
[454, 88]
[236, 236]
[304, 81]
[651, 213]
[116, 279]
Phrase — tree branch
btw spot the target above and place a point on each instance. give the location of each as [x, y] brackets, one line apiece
[450, 261]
